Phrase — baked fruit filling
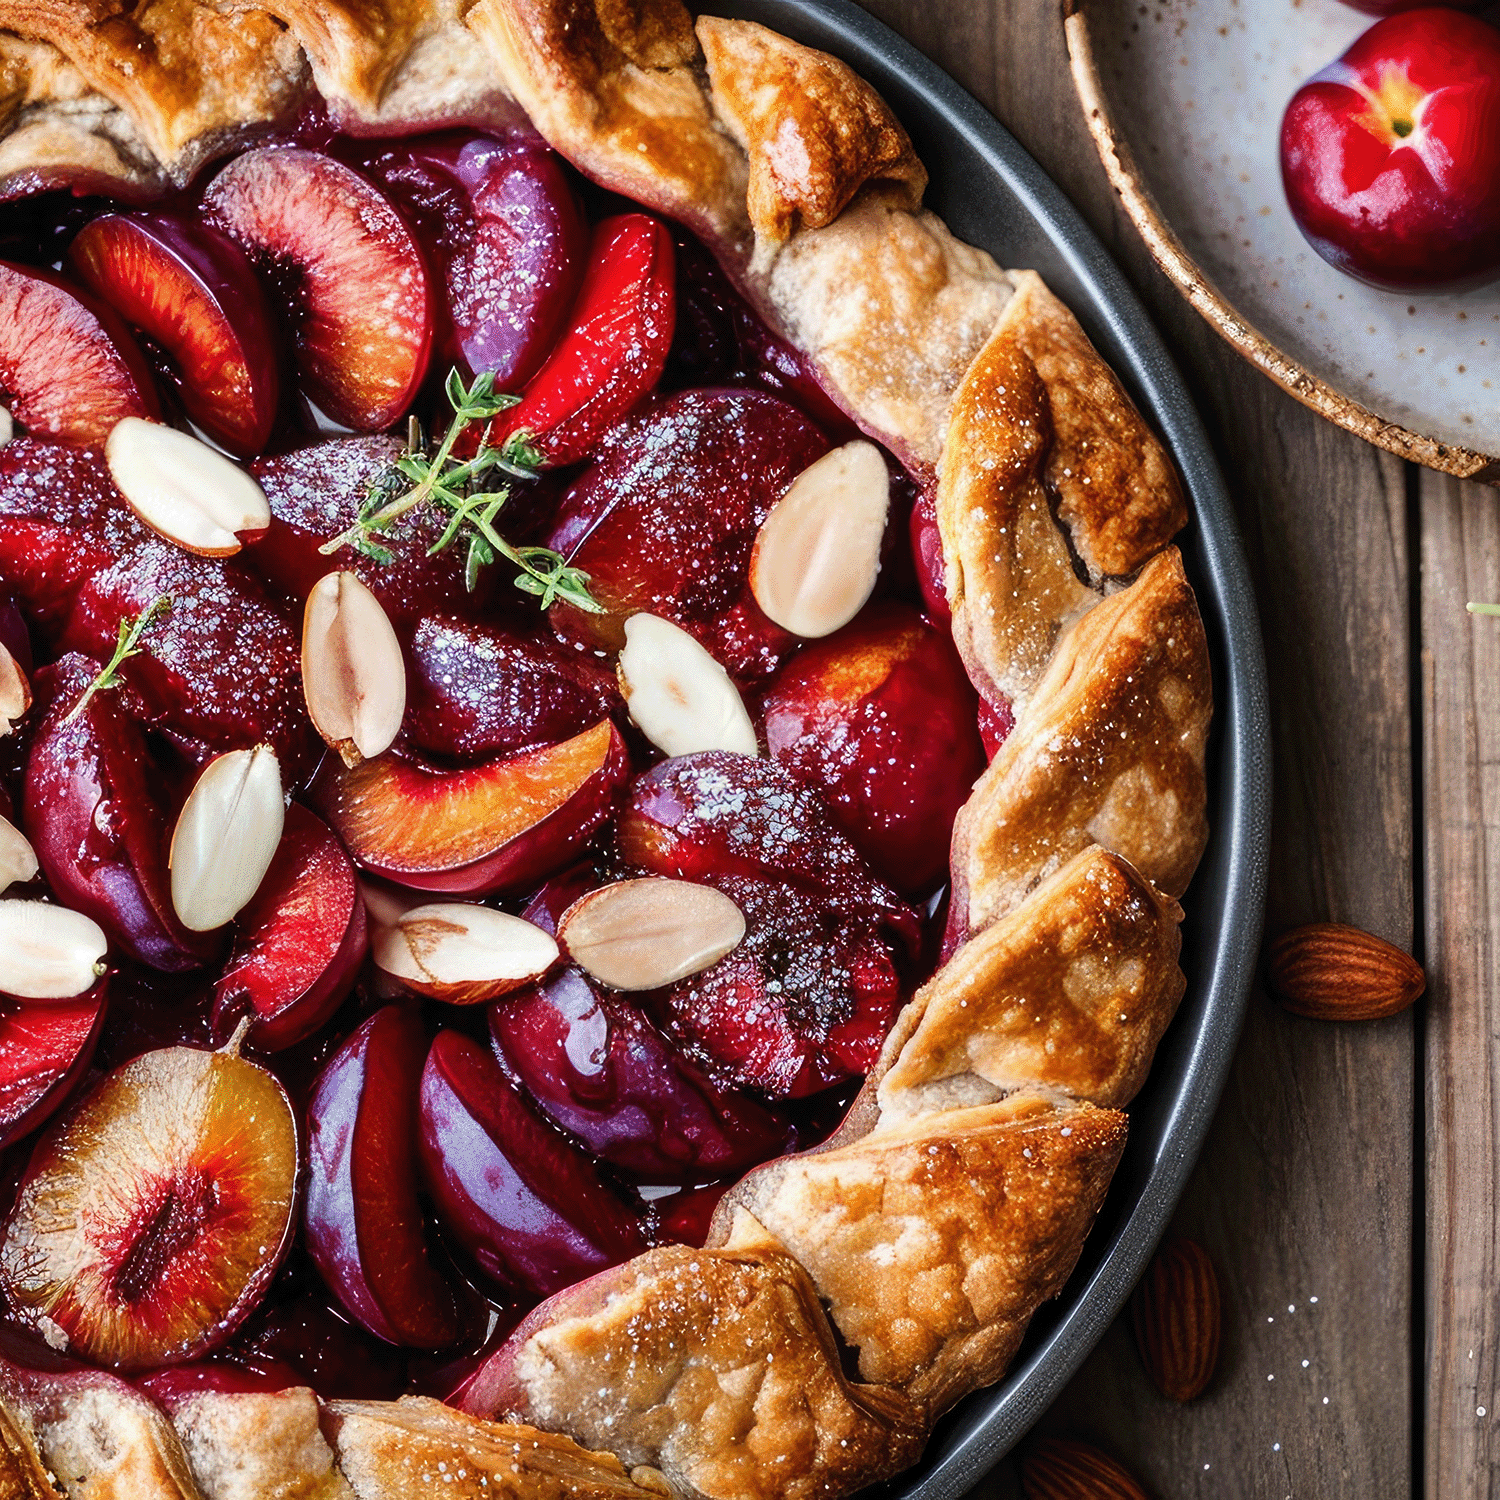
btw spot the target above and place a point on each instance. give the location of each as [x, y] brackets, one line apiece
[493, 745]
[494, 652]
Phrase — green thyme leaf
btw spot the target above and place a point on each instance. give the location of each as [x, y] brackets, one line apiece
[464, 490]
[127, 644]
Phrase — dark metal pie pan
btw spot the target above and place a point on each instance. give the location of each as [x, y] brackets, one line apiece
[993, 194]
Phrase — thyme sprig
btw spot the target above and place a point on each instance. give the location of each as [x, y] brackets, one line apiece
[468, 491]
[127, 644]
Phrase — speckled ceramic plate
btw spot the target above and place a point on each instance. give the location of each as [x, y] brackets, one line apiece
[1185, 98]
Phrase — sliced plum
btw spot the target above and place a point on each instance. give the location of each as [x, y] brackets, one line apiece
[927, 554]
[499, 827]
[192, 292]
[68, 366]
[806, 998]
[720, 341]
[598, 1069]
[803, 1003]
[45, 1049]
[529, 1207]
[95, 815]
[153, 1215]
[476, 691]
[222, 665]
[702, 816]
[667, 519]
[345, 270]
[61, 522]
[614, 350]
[881, 717]
[512, 239]
[363, 1220]
[299, 944]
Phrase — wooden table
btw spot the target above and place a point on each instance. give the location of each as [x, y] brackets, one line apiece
[1347, 1191]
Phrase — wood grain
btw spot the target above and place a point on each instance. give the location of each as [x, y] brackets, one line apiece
[1461, 695]
[1304, 1189]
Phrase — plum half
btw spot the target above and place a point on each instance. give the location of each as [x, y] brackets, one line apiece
[153, 1215]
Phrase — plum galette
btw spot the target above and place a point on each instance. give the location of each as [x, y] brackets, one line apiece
[600, 732]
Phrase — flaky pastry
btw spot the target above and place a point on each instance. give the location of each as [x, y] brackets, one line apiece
[958, 1195]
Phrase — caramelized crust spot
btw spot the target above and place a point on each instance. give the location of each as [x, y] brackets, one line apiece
[98, 1436]
[253, 1445]
[397, 63]
[1012, 587]
[893, 309]
[1117, 492]
[23, 1472]
[719, 1369]
[615, 87]
[58, 131]
[1109, 750]
[932, 1243]
[814, 130]
[1072, 990]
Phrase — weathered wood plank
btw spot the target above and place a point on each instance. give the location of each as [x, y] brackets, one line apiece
[1304, 1190]
[1461, 671]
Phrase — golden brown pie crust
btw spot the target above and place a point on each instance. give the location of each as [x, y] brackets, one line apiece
[957, 1196]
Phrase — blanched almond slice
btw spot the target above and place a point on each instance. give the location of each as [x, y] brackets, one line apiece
[7, 425]
[681, 698]
[226, 837]
[48, 952]
[17, 857]
[463, 953]
[183, 489]
[818, 552]
[353, 674]
[641, 934]
[15, 692]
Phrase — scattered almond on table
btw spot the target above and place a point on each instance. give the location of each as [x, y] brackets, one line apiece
[1176, 1317]
[1061, 1469]
[1332, 972]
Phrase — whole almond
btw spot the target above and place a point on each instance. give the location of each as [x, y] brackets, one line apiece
[1337, 973]
[1175, 1313]
[1061, 1469]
